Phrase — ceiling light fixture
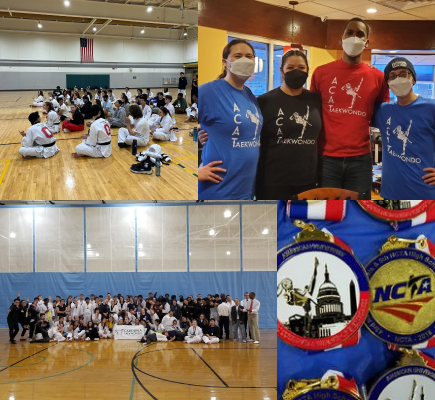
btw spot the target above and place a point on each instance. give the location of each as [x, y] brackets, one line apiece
[143, 30]
[94, 28]
[66, 2]
[211, 232]
[227, 214]
[149, 9]
[39, 24]
[372, 10]
[265, 231]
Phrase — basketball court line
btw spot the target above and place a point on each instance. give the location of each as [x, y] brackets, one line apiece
[57, 140]
[190, 384]
[4, 172]
[28, 357]
[211, 369]
[134, 373]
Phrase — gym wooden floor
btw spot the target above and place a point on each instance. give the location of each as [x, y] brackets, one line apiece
[64, 178]
[104, 370]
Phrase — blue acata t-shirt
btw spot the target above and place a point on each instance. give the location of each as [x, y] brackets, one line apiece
[408, 146]
[233, 121]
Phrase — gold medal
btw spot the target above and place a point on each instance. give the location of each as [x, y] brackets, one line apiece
[402, 282]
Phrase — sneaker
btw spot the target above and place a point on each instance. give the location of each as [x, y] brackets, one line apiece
[141, 168]
[165, 158]
[13, 342]
[122, 145]
[250, 340]
[88, 338]
[97, 339]
[243, 341]
[256, 342]
[66, 130]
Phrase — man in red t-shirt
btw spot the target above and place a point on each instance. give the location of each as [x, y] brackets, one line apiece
[349, 89]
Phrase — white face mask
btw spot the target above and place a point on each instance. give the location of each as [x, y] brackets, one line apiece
[353, 46]
[400, 86]
[242, 67]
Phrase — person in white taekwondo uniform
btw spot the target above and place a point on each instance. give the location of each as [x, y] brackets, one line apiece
[146, 109]
[39, 101]
[97, 143]
[137, 129]
[87, 310]
[127, 93]
[168, 321]
[252, 307]
[192, 111]
[162, 127]
[53, 121]
[194, 334]
[39, 140]
[76, 309]
[113, 310]
[211, 333]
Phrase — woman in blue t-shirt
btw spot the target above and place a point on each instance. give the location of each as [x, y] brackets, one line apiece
[229, 112]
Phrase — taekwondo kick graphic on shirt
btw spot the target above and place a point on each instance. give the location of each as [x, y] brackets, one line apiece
[349, 93]
[234, 122]
[408, 147]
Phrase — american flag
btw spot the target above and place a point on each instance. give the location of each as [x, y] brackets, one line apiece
[86, 50]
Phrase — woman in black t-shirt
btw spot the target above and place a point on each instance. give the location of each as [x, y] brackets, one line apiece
[61, 309]
[292, 123]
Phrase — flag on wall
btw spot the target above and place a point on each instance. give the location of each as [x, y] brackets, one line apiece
[86, 50]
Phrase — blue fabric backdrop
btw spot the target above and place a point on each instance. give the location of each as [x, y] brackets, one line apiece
[53, 283]
[364, 362]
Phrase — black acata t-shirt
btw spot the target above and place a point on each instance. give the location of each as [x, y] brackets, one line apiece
[288, 141]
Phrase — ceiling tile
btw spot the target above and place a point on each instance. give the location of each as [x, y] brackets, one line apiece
[400, 16]
[342, 5]
[314, 9]
[424, 12]
[362, 10]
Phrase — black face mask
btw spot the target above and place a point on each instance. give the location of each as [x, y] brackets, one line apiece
[295, 79]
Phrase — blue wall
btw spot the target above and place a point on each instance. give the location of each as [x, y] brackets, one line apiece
[54, 283]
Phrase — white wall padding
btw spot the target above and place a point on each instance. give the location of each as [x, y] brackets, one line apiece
[59, 239]
[16, 240]
[162, 239]
[214, 233]
[110, 239]
[259, 237]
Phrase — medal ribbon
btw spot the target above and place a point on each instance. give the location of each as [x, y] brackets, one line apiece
[344, 384]
[427, 216]
[330, 210]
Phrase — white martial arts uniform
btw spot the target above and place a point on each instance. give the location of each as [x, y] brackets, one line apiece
[38, 136]
[143, 132]
[166, 94]
[64, 110]
[150, 95]
[192, 111]
[67, 99]
[194, 335]
[88, 310]
[55, 104]
[94, 317]
[94, 145]
[53, 122]
[104, 332]
[167, 322]
[171, 109]
[112, 98]
[76, 310]
[128, 94]
[166, 309]
[164, 129]
[147, 112]
[114, 309]
[38, 102]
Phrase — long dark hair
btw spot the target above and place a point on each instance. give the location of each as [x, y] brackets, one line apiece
[227, 50]
[50, 106]
[291, 53]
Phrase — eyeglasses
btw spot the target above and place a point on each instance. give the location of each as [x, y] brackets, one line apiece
[403, 74]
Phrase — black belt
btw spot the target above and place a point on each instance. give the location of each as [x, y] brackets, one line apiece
[48, 145]
[56, 123]
[104, 144]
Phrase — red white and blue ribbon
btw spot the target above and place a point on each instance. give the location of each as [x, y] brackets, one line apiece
[429, 248]
[344, 384]
[330, 210]
[427, 216]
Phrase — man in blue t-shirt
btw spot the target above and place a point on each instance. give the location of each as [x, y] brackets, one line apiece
[408, 137]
